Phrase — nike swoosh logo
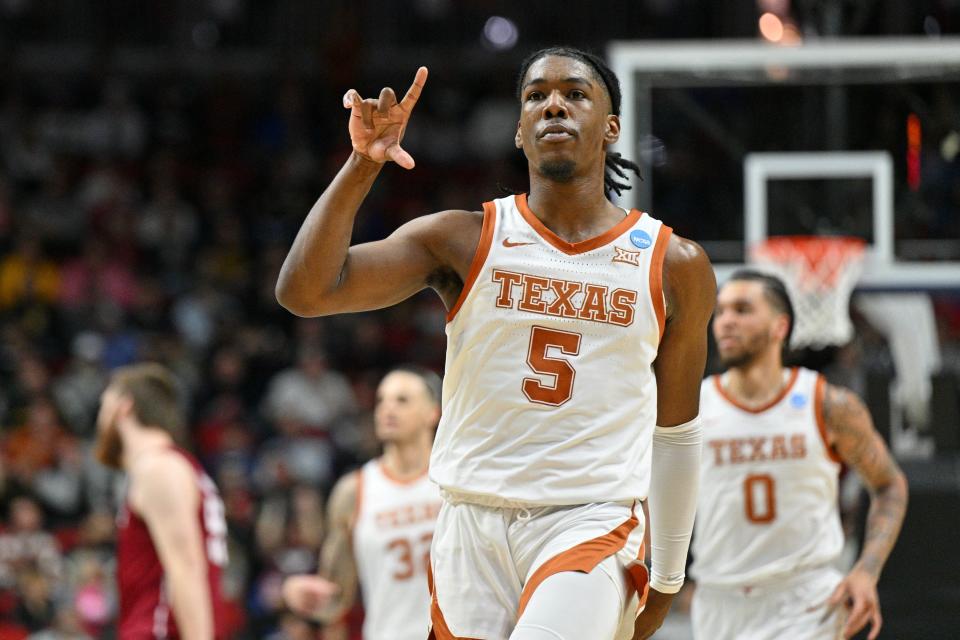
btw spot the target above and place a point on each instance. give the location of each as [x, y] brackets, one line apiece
[508, 244]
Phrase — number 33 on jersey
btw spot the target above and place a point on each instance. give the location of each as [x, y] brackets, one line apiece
[550, 345]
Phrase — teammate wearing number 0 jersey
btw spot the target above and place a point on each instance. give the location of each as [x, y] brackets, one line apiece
[381, 520]
[576, 339]
[171, 530]
[768, 528]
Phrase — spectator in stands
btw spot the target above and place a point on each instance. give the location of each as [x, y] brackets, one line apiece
[310, 394]
[77, 390]
[27, 276]
[36, 609]
[26, 546]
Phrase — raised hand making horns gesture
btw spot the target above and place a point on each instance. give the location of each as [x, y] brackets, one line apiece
[377, 126]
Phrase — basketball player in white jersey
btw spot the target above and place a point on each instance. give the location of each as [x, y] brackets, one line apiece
[768, 527]
[381, 521]
[576, 340]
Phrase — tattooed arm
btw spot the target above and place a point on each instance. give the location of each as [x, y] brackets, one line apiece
[851, 434]
[328, 596]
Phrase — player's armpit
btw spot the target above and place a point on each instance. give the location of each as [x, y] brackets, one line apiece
[337, 562]
[690, 288]
[851, 433]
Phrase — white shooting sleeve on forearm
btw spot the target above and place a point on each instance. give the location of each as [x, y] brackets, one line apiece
[674, 482]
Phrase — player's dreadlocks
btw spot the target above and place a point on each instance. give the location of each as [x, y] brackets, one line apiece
[615, 165]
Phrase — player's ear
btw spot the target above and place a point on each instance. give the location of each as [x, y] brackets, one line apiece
[518, 139]
[782, 326]
[612, 132]
[124, 406]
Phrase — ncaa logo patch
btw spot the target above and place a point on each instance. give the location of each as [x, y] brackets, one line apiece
[798, 401]
[641, 239]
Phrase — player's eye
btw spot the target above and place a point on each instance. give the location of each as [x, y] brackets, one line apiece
[576, 94]
[533, 96]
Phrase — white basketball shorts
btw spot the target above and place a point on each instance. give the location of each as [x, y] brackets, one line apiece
[488, 562]
[794, 608]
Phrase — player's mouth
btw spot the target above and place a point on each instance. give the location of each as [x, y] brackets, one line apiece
[726, 342]
[556, 133]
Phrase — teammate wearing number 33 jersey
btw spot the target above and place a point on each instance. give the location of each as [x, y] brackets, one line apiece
[576, 339]
[381, 520]
[768, 528]
[171, 530]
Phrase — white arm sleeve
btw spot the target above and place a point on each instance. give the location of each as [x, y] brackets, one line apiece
[672, 502]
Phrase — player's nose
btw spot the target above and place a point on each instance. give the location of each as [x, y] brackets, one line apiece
[554, 106]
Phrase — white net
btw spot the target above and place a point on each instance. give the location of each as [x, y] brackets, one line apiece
[820, 273]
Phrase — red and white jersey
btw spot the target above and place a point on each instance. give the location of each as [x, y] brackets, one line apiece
[768, 486]
[145, 610]
[549, 397]
[392, 531]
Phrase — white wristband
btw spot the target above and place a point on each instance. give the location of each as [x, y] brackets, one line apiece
[674, 483]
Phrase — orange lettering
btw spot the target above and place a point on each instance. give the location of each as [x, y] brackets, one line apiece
[532, 300]
[563, 306]
[622, 301]
[594, 304]
[717, 446]
[779, 449]
[507, 280]
[736, 454]
[798, 446]
[756, 448]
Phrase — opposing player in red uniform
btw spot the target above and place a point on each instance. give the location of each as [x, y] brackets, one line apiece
[171, 536]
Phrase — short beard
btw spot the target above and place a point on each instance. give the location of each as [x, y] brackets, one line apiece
[750, 353]
[738, 360]
[558, 170]
[108, 448]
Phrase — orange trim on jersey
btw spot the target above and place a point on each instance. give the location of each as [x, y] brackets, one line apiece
[819, 395]
[639, 577]
[794, 372]
[397, 479]
[573, 248]
[439, 629]
[479, 257]
[358, 501]
[583, 557]
[656, 276]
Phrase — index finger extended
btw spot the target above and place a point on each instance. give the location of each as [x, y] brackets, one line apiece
[413, 93]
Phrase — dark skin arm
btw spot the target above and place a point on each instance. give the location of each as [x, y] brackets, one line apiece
[690, 288]
[322, 274]
[851, 434]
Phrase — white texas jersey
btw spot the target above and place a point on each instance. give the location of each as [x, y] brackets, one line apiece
[549, 396]
[768, 486]
[392, 532]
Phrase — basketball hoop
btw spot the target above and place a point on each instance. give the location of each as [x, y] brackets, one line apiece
[820, 273]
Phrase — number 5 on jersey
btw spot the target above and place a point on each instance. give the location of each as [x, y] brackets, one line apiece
[560, 369]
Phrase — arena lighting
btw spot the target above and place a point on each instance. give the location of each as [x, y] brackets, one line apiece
[500, 33]
[914, 141]
[791, 35]
[771, 27]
